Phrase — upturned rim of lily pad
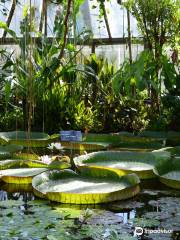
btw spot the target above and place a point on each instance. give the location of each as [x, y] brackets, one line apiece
[104, 159]
[20, 175]
[23, 138]
[50, 185]
[168, 172]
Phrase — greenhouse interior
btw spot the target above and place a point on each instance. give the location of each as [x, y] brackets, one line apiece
[89, 120]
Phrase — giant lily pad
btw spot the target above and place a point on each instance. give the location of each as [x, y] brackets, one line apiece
[25, 156]
[33, 139]
[169, 172]
[173, 138]
[175, 151]
[141, 163]
[20, 175]
[89, 187]
[19, 163]
[124, 140]
[7, 150]
[153, 134]
[85, 146]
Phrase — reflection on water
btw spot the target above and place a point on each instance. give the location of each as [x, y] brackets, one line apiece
[127, 209]
[127, 215]
[23, 196]
[3, 195]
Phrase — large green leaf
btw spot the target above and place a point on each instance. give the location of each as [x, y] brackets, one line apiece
[6, 164]
[4, 155]
[169, 172]
[85, 146]
[25, 156]
[141, 163]
[124, 140]
[153, 134]
[89, 187]
[175, 151]
[7, 150]
[22, 163]
[11, 148]
[171, 137]
[34, 139]
[20, 175]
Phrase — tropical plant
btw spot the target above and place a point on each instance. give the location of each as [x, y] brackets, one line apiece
[155, 23]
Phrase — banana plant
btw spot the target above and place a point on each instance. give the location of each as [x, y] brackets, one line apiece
[140, 74]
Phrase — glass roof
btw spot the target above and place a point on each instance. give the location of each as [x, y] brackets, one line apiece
[87, 18]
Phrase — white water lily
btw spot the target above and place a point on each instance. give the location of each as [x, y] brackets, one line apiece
[55, 146]
[46, 159]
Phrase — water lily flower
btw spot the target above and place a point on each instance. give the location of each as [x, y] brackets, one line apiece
[46, 159]
[56, 146]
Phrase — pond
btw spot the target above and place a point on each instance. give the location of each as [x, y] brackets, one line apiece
[24, 216]
[152, 214]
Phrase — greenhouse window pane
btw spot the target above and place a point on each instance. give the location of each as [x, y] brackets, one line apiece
[116, 54]
[117, 19]
[19, 15]
[6, 6]
[52, 10]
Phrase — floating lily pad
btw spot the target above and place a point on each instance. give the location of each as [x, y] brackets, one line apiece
[175, 151]
[144, 222]
[19, 163]
[123, 162]
[85, 146]
[104, 218]
[7, 150]
[154, 134]
[130, 204]
[168, 212]
[167, 204]
[158, 215]
[5, 164]
[86, 188]
[20, 175]
[169, 172]
[124, 140]
[160, 236]
[11, 203]
[25, 156]
[11, 148]
[33, 139]
[172, 138]
[19, 222]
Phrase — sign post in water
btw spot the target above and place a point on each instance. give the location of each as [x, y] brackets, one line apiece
[71, 136]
